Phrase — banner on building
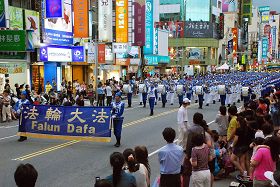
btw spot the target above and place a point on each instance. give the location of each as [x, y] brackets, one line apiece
[91, 52]
[122, 21]
[67, 123]
[149, 32]
[120, 47]
[264, 47]
[12, 40]
[81, 24]
[139, 22]
[235, 41]
[156, 40]
[264, 13]
[59, 30]
[109, 56]
[32, 22]
[2, 14]
[245, 32]
[198, 29]
[54, 9]
[105, 20]
[54, 53]
[254, 50]
[101, 54]
[16, 18]
[229, 5]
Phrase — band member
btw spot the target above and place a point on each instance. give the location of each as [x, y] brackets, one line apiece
[163, 98]
[189, 91]
[144, 95]
[180, 92]
[129, 94]
[152, 97]
[117, 112]
[22, 101]
[172, 92]
[200, 94]
[207, 95]
[222, 93]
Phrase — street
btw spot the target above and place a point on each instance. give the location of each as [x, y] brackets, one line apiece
[74, 163]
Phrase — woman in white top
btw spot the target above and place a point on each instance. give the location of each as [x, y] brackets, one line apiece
[139, 171]
[222, 121]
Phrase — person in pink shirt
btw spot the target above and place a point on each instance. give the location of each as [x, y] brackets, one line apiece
[265, 160]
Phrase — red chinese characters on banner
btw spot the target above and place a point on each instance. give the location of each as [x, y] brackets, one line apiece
[101, 53]
[235, 40]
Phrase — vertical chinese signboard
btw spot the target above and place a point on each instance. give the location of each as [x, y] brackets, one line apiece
[105, 21]
[101, 53]
[122, 21]
[264, 13]
[235, 41]
[264, 47]
[148, 49]
[139, 22]
[81, 24]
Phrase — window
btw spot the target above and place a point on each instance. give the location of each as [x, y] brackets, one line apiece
[198, 10]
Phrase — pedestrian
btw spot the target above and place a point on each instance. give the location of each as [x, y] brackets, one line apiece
[80, 101]
[117, 112]
[109, 94]
[6, 109]
[233, 124]
[200, 156]
[136, 169]
[129, 94]
[170, 159]
[222, 122]
[120, 178]
[101, 95]
[182, 120]
[90, 94]
[48, 87]
[25, 175]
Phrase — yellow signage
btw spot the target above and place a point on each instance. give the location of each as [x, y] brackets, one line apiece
[121, 21]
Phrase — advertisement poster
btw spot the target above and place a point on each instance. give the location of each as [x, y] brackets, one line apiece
[109, 57]
[16, 18]
[264, 13]
[175, 29]
[229, 5]
[60, 30]
[139, 22]
[81, 25]
[198, 29]
[105, 21]
[122, 21]
[101, 53]
[32, 23]
[148, 48]
[2, 14]
[54, 8]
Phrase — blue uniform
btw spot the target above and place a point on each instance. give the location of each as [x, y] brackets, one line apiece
[152, 97]
[118, 109]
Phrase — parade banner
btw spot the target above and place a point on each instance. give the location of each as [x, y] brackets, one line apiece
[122, 21]
[105, 21]
[148, 48]
[2, 14]
[67, 123]
[139, 22]
[16, 18]
[81, 24]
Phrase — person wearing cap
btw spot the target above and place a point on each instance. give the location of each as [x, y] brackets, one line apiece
[182, 120]
[117, 112]
[18, 108]
[273, 177]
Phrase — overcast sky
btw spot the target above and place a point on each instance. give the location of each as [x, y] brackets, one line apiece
[274, 4]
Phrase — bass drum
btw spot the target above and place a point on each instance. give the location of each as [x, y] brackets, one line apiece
[141, 88]
[179, 89]
[245, 91]
[198, 90]
[221, 89]
[126, 88]
[161, 88]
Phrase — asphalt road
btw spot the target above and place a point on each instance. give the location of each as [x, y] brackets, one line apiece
[73, 164]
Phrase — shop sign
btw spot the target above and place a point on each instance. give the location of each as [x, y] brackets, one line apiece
[13, 55]
[122, 21]
[108, 54]
[16, 18]
[148, 48]
[32, 23]
[235, 41]
[163, 59]
[11, 68]
[101, 53]
[62, 54]
[122, 62]
[254, 50]
[12, 40]
[229, 5]
[156, 42]
[81, 24]
[59, 30]
[139, 22]
[198, 29]
[264, 47]
[105, 21]
[151, 60]
[264, 13]
[54, 8]
[120, 47]
[2, 14]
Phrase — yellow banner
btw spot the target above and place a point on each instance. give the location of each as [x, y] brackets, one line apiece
[121, 21]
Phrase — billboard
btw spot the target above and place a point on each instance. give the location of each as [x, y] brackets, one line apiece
[149, 32]
[81, 24]
[54, 8]
[105, 21]
[139, 22]
[12, 40]
[60, 30]
[32, 22]
[198, 29]
[175, 28]
[101, 53]
[122, 21]
[264, 13]
[230, 5]
[2, 14]
[16, 18]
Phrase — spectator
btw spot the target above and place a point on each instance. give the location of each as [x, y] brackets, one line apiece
[101, 95]
[182, 120]
[170, 159]
[25, 175]
[109, 94]
[141, 154]
[120, 178]
[6, 109]
[48, 87]
[262, 105]
[80, 100]
[103, 183]
[265, 160]
[222, 121]
[90, 94]
[18, 90]
[273, 177]
[136, 169]
[200, 157]
[233, 124]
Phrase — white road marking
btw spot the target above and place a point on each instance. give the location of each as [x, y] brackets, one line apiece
[8, 137]
[8, 126]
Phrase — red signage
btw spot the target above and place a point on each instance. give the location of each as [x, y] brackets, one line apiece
[101, 54]
[235, 40]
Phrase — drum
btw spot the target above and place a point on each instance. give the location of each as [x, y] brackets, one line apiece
[221, 89]
[245, 91]
[161, 88]
[179, 89]
[126, 88]
[198, 90]
[141, 88]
